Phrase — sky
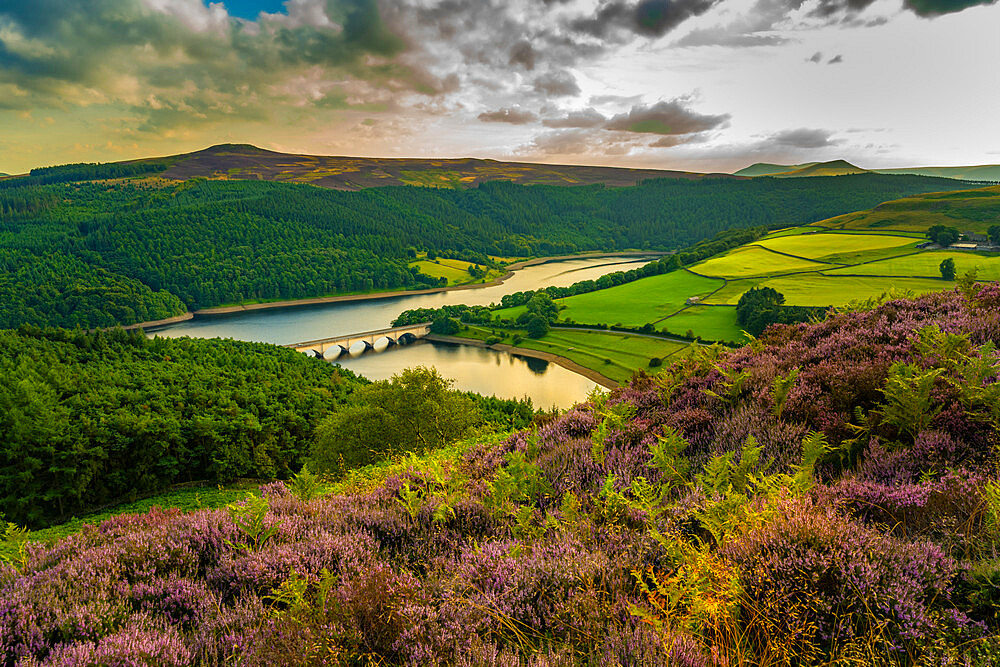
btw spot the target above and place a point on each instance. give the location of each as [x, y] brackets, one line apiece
[698, 85]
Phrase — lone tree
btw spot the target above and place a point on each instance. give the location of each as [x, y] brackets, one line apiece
[537, 326]
[948, 269]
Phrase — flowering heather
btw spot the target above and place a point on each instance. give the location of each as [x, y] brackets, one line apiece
[827, 493]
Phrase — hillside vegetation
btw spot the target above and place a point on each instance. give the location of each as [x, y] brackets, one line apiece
[240, 161]
[103, 252]
[983, 172]
[826, 495]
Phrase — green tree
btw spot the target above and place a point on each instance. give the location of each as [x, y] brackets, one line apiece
[948, 269]
[537, 326]
[994, 234]
[541, 304]
[415, 411]
[943, 235]
[445, 326]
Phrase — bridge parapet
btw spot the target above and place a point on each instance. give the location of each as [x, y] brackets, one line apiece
[320, 347]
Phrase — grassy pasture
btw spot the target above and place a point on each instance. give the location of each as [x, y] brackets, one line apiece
[751, 261]
[612, 354]
[926, 264]
[815, 289]
[709, 322]
[455, 271]
[820, 246]
[638, 302]
[733, 290]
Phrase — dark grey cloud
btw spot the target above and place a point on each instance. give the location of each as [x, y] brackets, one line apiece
[925, 8]
[556, 84]
[514, 116]
[815, 58]
[589, 117]
[649, 18]
[800, 138]
[667, 118]
[523, 54]
[837, 59]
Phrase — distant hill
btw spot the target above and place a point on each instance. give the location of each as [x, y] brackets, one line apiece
[768, 169]
[241, 161]
[985, 172]
[831, 168]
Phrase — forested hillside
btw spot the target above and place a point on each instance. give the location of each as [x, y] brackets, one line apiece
[98, 253]
[90, 418]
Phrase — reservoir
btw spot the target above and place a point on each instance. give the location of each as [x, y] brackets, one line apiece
[484, 371]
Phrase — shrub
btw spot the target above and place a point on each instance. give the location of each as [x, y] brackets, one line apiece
[815, 582]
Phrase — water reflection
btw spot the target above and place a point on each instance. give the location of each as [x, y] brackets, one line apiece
[293, 325]
[480, 370]
[474, 369]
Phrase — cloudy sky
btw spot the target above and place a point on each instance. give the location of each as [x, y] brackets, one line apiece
[702, 85]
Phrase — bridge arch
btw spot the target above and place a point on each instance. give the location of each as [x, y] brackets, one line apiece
[356, 344]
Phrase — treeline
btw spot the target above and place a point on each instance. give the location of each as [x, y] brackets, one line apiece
[87, 419]
[83, 171]
[721, 242]
[211, 243]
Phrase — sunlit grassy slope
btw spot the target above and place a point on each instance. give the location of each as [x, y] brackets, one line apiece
[967, 210]
[640, 302]
[455, 271]
[748, 261]
[927, 264]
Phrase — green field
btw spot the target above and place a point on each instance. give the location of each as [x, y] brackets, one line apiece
[636, 303]
[814, 289]
[750, 261]
[927, 264]
[734, 289]
[455, 271]
[709, 322]
[615, 355]
[821, 246]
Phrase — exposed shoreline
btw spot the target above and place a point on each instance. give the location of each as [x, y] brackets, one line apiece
[160, 323]
[296, 303]
[568, 364]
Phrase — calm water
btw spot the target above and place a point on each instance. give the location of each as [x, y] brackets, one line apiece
[473, 369]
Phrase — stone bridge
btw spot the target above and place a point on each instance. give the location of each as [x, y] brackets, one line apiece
[319, 348]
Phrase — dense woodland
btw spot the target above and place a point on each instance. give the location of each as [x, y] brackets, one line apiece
[87, 419]
[94, 253]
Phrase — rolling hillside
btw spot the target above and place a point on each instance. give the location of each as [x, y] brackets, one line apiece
[355, 173]
[970, 211]
[985, 172]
